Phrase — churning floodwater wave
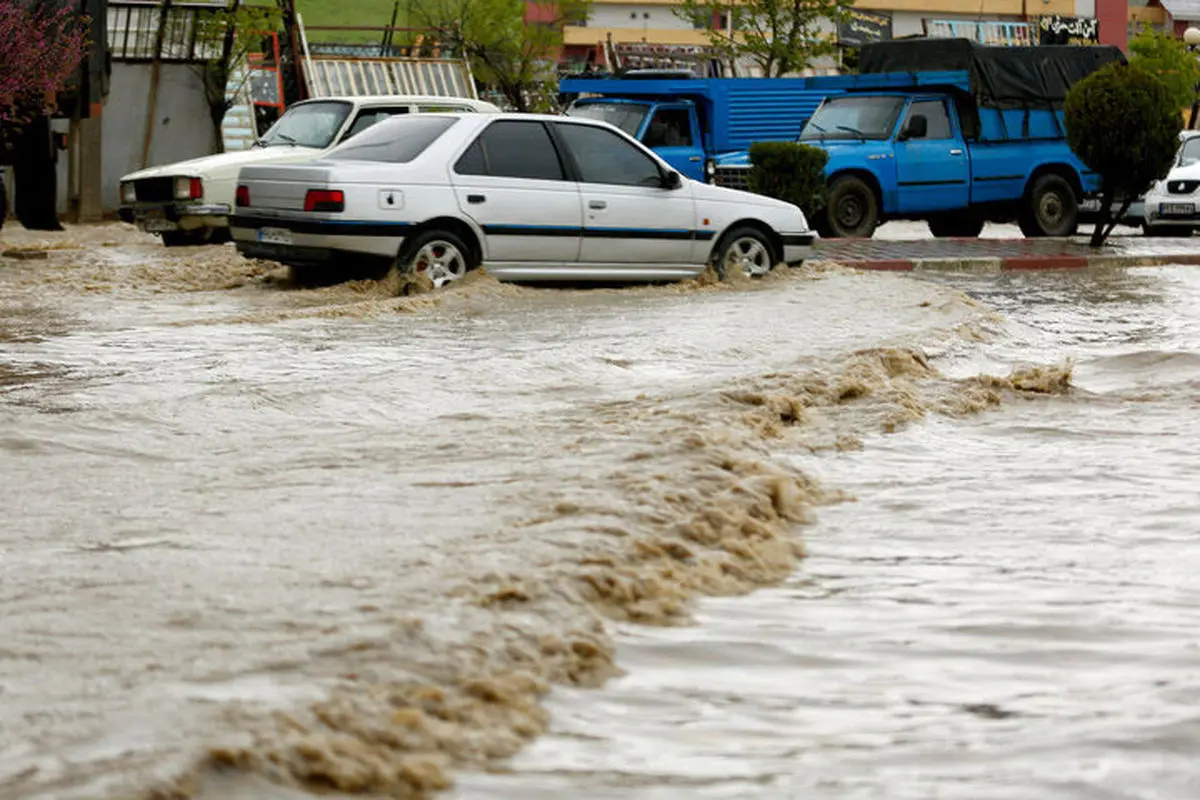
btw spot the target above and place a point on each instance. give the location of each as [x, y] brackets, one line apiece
[1008, 609]
[265, 542]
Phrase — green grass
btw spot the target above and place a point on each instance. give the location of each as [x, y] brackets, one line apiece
[373, 13]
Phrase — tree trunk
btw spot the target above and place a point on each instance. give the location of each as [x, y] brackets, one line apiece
[1098, 233]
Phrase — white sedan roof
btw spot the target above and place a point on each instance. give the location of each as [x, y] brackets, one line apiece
[391, 99]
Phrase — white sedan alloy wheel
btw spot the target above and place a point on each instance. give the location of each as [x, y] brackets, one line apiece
[441, 261]
[749, 254]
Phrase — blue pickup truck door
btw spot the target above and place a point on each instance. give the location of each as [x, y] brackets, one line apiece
[933, 171]
[673, 132]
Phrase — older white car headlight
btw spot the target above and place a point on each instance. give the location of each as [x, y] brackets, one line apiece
[128, 193]
[188, 189]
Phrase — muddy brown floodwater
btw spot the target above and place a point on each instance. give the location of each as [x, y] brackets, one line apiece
[260, 542]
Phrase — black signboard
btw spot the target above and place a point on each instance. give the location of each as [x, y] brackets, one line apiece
[864, 27]
[1053, 29]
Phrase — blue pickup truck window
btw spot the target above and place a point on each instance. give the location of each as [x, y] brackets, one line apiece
[626, 116]
[671, 127]
[936, 118]
[854, 118]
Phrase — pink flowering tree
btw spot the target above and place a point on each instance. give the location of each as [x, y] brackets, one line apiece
[40, 49]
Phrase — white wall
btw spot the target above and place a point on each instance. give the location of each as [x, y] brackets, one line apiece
[614, 15]
[181, 125]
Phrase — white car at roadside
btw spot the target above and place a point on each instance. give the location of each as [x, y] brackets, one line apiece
[189, 202]
[1172, 206]
[533, 197]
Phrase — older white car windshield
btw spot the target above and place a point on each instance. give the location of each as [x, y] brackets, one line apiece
[308, 125]
[626, 116]
[397, 140]
[854, 118]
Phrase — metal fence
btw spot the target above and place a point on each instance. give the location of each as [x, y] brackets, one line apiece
[327, 77]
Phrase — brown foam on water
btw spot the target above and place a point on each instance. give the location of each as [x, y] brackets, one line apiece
[702, 509]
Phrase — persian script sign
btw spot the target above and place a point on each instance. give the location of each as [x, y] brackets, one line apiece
[863, 27]
[1053, 29]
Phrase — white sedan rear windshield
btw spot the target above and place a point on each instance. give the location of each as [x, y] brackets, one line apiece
[397, 140]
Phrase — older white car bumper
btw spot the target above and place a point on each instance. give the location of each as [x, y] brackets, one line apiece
[309, 240]
[175, 216]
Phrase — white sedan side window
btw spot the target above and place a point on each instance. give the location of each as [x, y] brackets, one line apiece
[513, 149]
[604, 157]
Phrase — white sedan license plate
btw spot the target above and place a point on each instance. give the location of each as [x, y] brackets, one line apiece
[160, 225]
[274, 236]
[1178, 208]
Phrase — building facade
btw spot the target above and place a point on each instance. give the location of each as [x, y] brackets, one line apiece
[653, 25]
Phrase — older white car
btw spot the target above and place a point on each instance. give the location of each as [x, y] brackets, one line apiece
[1172, 206]
[189, 202]
[534, 197]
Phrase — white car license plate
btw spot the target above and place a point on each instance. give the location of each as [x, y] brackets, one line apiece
[1089, 205]
[274, 236]
[160, 225]
[1178, 208]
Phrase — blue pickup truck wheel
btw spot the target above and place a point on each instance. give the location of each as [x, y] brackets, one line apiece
[851, 209]
[1050, 208]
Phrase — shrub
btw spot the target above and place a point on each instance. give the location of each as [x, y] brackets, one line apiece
[40, 49]
[789, 171]
[1124, 123]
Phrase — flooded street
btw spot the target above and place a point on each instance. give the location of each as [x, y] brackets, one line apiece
[260, 540]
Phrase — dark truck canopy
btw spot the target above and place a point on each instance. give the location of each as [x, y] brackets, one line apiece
[1001, 77]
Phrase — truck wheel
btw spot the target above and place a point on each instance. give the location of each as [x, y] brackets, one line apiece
[1050, 208]
[964, 227]
[852, 209]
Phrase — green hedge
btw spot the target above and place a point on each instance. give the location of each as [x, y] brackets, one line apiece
[789, 171]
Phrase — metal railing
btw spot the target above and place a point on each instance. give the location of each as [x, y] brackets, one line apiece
[445, 77]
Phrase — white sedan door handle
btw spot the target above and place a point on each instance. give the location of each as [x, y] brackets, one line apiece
[597, 204]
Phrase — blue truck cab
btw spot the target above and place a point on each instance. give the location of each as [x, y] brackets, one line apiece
[690, 121]
[954, 147]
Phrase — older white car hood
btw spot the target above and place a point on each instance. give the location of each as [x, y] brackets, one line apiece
[226, 164]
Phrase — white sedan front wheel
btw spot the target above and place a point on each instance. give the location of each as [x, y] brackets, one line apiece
[440, 256]
[745, 249]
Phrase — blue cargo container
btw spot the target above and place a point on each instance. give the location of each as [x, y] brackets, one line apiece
[689, 121]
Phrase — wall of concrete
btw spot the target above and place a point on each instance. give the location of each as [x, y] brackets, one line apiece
[181, 126]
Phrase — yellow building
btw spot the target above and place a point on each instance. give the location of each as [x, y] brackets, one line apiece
[653, 22]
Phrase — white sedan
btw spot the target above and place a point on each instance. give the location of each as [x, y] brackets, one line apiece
[533, 197]
[189, 202]
[1172, 206]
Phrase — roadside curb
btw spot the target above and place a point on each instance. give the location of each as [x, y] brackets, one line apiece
[990, 265]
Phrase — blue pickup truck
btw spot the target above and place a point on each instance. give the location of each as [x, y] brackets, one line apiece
[691, 121]
[951, 132]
